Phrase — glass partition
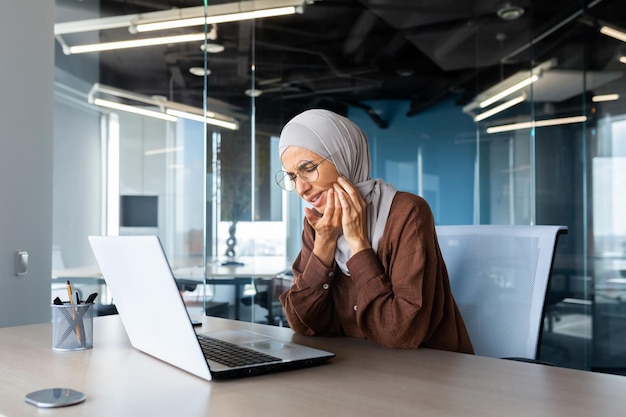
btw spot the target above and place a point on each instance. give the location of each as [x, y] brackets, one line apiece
[205, 190]
[551, 152]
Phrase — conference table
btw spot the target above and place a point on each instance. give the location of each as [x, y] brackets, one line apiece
[364, 379]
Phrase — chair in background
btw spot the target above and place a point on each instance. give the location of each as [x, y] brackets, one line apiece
[266, 297]
[499, 277]
[194, 294]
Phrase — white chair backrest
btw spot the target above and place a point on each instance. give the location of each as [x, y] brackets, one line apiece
[499, 277]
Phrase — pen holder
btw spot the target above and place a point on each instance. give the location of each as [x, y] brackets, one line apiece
[72, 326]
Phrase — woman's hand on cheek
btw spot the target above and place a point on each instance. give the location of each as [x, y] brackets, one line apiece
[327, 228]
[354, 215]
[328, 224]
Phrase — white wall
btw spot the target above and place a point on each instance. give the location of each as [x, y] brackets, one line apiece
[26, 135]
[77, 180]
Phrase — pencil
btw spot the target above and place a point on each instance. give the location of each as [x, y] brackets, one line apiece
[69, 291]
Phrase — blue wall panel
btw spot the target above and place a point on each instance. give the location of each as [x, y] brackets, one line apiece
[446, 139]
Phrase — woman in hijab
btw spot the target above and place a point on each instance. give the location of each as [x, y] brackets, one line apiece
[370, 265]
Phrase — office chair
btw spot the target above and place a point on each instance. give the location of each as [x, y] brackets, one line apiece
[499, 277]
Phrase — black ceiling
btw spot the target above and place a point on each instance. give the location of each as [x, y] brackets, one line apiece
[341, 52]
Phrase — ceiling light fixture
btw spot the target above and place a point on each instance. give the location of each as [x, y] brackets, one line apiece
[133, 109]
[536, 123]
[231, 125]
[223, 13]
[164, 150]
[135, 43]
[508, 86]
[507, 92]
[509, 13]
[612, 32]
[508, 104]
[605, 97]
[212, 48]
[622, 59]
[253, 92]
[156, 107]
[199, 71]
[169, 19]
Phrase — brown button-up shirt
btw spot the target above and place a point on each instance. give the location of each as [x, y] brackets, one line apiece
[399, 297]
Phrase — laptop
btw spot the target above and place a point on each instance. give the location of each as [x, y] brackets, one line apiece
[157, 322]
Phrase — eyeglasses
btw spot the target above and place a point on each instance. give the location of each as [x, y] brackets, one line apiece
[306, 170]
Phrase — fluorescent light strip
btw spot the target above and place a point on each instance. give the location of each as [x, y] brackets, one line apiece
[79, 26]
[164, 109]
[198, 117]
[538, 123]
[97, 47]
[163, 150]
[509, 91]
[614, 33]
[499, 108]
[134, 109]
[230, 17]
[605, 97]
[622, 59]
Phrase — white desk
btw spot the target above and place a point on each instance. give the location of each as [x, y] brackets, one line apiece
[363, 380]
[249, 266]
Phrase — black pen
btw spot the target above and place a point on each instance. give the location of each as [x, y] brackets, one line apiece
[91, 298]
[77, 297]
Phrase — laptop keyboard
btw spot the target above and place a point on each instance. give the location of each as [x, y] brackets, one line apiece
[230, 354]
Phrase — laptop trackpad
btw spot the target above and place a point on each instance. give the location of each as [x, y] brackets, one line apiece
[267, 345]
[251, 340]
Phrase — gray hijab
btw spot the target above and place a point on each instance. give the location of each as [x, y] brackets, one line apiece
[331, 135]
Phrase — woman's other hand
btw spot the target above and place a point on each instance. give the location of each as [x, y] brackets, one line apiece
[353, 215]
